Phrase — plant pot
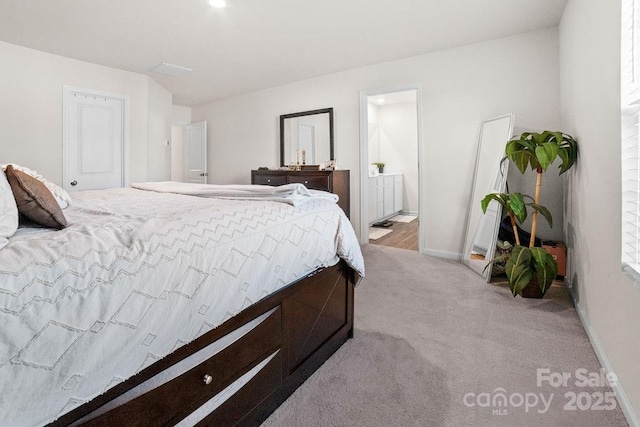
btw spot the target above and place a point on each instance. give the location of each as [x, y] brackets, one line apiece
[381, 169]
[532, 290]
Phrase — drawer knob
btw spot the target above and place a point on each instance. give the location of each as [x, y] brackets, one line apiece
[306, 182]
[268, 180]
[207, 379]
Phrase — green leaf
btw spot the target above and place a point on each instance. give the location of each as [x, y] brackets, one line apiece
[558, 136]
[498, 197]
[488, 198]
[546, 154]
[516, 205]
[539, 255]
[564, 156]
[552, 271]
[544, 211]
[512, 147]
[521, 281]
[546, 271]
[519, 260]
[521, 159]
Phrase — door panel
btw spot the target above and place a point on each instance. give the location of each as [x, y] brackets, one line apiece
[195, 159]
[94, 141]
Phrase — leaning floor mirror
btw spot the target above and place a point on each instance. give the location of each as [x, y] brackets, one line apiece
[490, 177]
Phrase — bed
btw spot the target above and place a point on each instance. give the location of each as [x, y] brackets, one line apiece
[168, 309]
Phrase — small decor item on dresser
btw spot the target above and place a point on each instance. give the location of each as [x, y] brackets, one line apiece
[380, 166]
[329, 165]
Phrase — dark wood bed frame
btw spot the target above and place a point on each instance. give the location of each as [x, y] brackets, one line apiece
[311, 319]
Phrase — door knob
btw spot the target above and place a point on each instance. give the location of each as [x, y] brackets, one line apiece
[204, 174]
[74, 183]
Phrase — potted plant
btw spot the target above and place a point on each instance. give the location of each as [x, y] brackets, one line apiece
[380, 166]
[531, 270]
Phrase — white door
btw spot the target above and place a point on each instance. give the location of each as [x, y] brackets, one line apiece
[94, 142]
[195, 157]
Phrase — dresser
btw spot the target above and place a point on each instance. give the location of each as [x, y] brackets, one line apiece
[336, 182]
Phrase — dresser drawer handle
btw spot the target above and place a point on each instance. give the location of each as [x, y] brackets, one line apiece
[207, 379]
[268, 180]
[306, 182]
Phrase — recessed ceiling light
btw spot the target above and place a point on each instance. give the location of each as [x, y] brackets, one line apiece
[218, 3]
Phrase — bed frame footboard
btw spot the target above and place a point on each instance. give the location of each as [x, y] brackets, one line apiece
[240, 372]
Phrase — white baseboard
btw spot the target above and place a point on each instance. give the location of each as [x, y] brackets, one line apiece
[621, 395]
[442, 254]
[414, 213]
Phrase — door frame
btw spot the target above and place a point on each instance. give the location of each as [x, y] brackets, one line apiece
[364, 158]
[67, 90]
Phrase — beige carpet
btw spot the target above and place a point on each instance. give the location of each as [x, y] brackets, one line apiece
[432, 335]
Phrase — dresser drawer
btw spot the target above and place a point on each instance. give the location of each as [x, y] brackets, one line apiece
[269, 179]
[175, 399]
[312, 182]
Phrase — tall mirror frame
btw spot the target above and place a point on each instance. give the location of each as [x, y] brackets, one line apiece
[287, 153]
[490, 177]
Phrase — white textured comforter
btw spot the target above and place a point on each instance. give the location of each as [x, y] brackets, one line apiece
[293, 194]
[136, 275]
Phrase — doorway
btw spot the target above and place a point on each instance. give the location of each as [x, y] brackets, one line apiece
[391, 147]
[189, 152]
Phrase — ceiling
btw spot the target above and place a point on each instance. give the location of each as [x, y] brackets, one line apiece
[256, 44]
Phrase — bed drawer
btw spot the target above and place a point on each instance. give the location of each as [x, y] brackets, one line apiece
[269, 179]
[234, 410]
[177, 398]
[312, 182]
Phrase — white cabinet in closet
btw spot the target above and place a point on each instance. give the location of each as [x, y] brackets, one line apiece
[385, 196]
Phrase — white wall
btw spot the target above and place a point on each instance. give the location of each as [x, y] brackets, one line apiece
[551, 196]
[590, 76]
[31, 107]
[373, 133]
[398, 130]
[159, 133]
[461, 87]
[180, 114]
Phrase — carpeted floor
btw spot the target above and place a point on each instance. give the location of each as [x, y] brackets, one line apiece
[437, 346]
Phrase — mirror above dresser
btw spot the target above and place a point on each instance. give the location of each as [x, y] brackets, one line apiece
[306, 138]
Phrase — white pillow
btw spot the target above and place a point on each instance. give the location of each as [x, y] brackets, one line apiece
[8, 211]
[59, 193]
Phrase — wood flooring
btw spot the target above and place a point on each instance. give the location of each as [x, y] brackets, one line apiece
[404, 236]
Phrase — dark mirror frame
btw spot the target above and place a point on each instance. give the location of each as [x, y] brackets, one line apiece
[306, 113]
